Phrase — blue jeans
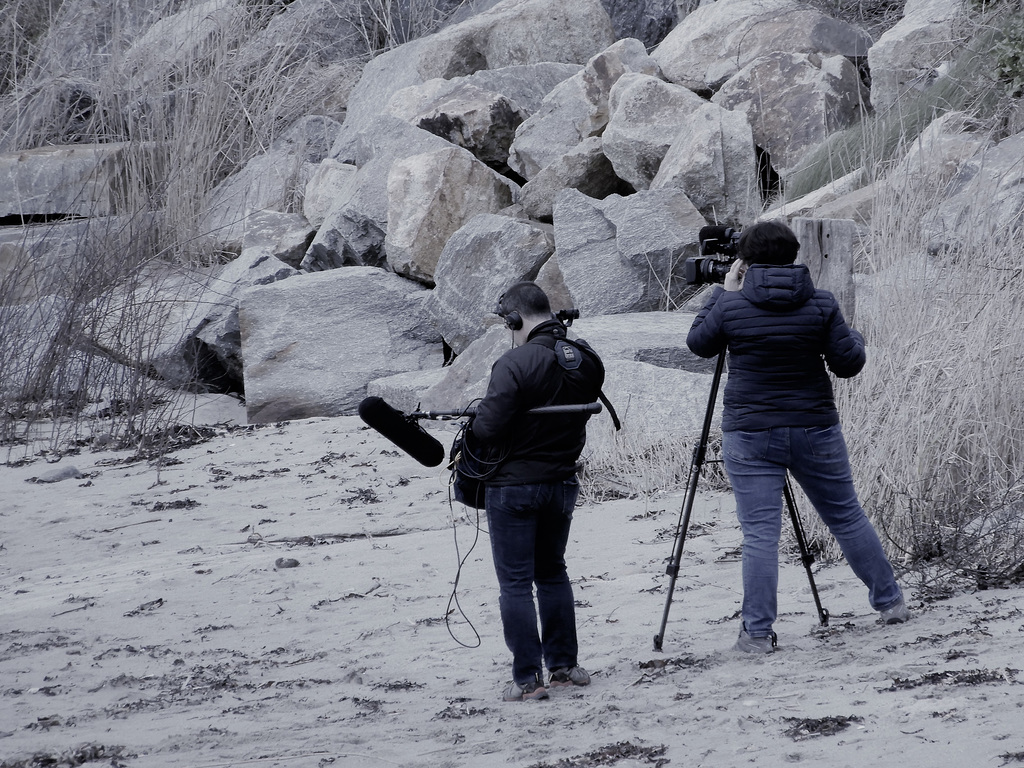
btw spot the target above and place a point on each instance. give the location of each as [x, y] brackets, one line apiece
[529, 528]
[818, 460]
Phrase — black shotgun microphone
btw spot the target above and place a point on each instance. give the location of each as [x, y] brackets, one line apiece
[402, 431]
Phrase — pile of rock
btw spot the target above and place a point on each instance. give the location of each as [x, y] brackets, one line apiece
[581, 145]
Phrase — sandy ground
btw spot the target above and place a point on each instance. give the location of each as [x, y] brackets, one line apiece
[276, 596]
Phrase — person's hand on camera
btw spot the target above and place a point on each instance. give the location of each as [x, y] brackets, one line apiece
[734, 280]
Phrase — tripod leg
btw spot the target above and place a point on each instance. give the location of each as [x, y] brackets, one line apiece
[805, 555]
[677, 549]
[696, 464]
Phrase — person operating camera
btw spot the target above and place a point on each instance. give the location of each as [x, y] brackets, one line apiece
[530, 498]
[783, 337]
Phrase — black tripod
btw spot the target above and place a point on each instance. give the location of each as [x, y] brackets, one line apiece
[696, 465]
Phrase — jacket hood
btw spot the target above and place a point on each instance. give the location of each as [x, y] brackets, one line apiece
[778, 288]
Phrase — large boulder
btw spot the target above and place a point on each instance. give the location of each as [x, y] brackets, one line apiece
[523, 86]
[272, 181]
[655, 338]
[42, 259]
[478, 263]
[939, 153]
[713, 160]
[353, 230]
[908, 55]
[174, 41]
[329, 182]
[285, 236]
[645, 116]
[312, 343]
[311, 32]
[647, 20]
[429, 197]
[78, 180]
[513, 32]
[585, 168]
[985, 204]
[218, 331]
[846, 188]
[484, 122]
[577, 109]
[794, 101]
[718, 39]
[625, 254]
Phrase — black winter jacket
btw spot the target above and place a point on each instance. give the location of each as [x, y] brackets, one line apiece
[781, 334]
[540, 448]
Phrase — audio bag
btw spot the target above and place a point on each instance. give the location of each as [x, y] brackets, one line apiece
[471, 465]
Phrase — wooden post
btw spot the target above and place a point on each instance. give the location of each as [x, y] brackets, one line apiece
[826, 247]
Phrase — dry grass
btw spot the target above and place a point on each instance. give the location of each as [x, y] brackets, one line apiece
[933, 422]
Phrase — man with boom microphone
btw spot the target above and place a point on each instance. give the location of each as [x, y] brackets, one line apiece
[779, 414]
[530, 497]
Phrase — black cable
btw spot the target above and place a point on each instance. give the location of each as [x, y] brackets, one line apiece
[454, 597]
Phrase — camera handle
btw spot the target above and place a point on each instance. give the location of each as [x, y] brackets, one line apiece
[696, 465]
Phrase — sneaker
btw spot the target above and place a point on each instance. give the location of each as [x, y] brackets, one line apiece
[897, 614]
[749, 644]
[532, 690]
[569, 676]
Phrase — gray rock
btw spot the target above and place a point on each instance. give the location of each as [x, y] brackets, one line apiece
[481, 121]
[59, 474]
[909, 54]
[405, 391]
[940, 151]
[713, 161]
[37, 259]
[312, 343]
[78, 180]
[353, 230]
[654, 338]
[625, 254]
[310, 32]
[645, 116]
[718, 39]
[330, 182]
[514, 32]
[985, 202]
[576, 109]
[794, 101]
[584, 168]
[646, 20]
[175, 40]
[479, 261]
[654, 404]
[271, 181]
[219, 330]
[429, 197]
[286, 236]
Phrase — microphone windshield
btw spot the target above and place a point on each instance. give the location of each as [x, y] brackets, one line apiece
[402, 431]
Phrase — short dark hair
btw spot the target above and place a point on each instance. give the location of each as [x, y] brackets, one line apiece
[768, 242]
[526, 298]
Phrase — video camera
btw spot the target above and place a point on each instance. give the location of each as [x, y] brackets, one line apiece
[720, 241]
[566, 316]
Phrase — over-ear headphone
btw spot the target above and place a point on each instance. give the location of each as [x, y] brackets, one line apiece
[513, 320]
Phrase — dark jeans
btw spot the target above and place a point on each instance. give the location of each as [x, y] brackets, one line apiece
[529, 528]
[818, 460]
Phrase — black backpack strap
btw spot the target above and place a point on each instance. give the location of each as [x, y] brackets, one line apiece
[568, 354]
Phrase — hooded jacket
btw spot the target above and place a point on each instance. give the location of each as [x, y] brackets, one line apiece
[783, 337]
[537, 448]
